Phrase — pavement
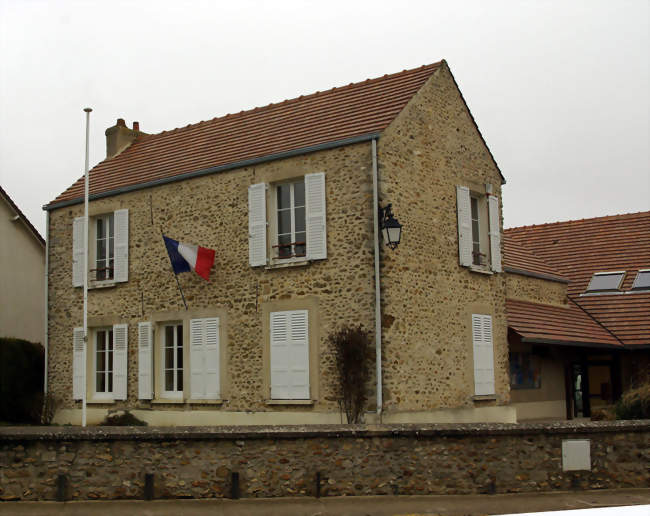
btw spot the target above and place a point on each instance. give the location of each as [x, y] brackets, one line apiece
[447, 505]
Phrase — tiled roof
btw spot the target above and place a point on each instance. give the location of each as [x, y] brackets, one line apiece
[579, 248]
[22, 216]
[519, 259]
[554, 324]
[323, 117]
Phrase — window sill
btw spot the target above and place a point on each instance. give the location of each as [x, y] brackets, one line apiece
[290, 402]
[205, 402]
[100, 401]
[480, 270]
[101, 284]
[278, 264]
[161, 401]
[484, 397]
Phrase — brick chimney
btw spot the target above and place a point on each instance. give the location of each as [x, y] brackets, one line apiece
[119, 137]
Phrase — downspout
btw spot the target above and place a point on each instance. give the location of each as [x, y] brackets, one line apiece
[47, 265]
[375, 211]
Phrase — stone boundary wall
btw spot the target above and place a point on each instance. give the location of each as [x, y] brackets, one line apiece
[272, 461]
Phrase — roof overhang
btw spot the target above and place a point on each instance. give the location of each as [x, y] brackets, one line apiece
[555, 342]
[213, 170]
[539, 275]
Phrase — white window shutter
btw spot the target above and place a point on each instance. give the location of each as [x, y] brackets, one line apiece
[316, 216]
[78, 252]
[464, 226]
[483, 354]
[197, 362]
[211, 358]
[495, 233]
[257, 224]
[120, 360]
[78, 366]
[121, 262]
[145, 361]
[289, 355]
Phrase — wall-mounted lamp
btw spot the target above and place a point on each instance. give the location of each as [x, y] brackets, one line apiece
[390, 227]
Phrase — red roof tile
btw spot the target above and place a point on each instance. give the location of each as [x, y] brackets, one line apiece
[323, 117]
[579, 248]
[554, 324]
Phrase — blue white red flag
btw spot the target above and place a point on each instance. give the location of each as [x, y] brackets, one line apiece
[186, 257]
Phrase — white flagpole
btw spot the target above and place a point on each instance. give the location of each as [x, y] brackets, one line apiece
[85, 361]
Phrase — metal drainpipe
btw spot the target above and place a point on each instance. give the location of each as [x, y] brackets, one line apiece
[47, 263]
[375, 208]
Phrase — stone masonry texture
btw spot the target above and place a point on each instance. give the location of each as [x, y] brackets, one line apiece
[428, 297]
[111, 463]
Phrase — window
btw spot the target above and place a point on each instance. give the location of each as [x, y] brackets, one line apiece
[525, 371]
[642, 280]
[483, 355]
[290, 220]
[104, 253]
[106, 378]
[606, 281]
[104, 362]
[477, 256]
[173, 361]
[296, 229]
[479, 229]
[289, 355]
[185, 361]
[108, 248]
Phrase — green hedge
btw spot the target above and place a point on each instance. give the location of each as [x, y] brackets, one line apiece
[21, 381]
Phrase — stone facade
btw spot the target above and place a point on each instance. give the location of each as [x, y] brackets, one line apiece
[535, 290]
[428, 299]
[111, 463]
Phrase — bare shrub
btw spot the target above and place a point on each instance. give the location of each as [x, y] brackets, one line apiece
[351, 346]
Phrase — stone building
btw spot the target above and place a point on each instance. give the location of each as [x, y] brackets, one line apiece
[285, 194]
[578, 305]
[22, 268]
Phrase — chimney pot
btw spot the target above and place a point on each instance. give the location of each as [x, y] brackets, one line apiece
[136, 126]
[120, 122]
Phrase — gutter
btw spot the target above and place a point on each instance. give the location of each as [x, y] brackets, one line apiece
[375, 210]
[213, 170]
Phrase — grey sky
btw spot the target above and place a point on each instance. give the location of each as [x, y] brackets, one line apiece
[559, 89]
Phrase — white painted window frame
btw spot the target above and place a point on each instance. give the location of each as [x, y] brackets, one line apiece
[174, 394]
[109, 337]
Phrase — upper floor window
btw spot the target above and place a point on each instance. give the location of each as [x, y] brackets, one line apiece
[294, 227]
[108, 248]
[290, 220]
[479, 229]
[477, 256]
[606, 281]
[642, 280]
[105, 248]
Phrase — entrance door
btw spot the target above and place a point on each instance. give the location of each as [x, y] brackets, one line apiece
[580, 390]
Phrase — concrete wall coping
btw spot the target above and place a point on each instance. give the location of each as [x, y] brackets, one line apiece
[140, 433]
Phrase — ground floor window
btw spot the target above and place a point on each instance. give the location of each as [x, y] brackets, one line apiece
[173, 360]
[104, 361]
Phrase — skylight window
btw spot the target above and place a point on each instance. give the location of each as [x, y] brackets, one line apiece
[605, 281]
[642, 280]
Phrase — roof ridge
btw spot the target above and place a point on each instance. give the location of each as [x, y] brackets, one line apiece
[601, 217]
[595, 320]
[345, 87]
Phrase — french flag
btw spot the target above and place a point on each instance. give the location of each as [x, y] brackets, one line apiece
[186, 257]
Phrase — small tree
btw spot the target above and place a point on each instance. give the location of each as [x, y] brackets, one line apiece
[352, 351]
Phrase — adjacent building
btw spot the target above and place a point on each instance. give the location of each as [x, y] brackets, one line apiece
[22, 272]
[578, 305]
